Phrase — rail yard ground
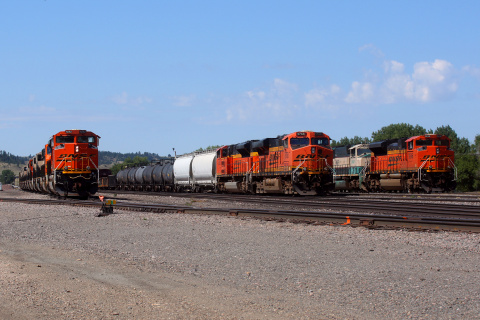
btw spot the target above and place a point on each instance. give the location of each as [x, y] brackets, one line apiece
[63, 262]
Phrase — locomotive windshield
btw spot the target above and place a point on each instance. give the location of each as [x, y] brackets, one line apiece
[84, 139]
[320, 142]
[424, 143]
[299, 142]
[64, 139]
[442, 143]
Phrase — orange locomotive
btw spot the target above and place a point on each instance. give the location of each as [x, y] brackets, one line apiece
[296, 163]
[409, 164]
[66, 166]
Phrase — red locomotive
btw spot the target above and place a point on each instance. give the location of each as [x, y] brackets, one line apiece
[299, 162]
[66, 166]
[409, 164]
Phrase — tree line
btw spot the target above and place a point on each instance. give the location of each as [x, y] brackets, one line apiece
[7, 157]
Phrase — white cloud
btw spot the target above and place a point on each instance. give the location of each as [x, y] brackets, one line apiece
[37, 110]
[430, 81]
[124, 99]
[360, 92]
[284, 88]
[372, 49]
[278, 102]
[393, 82]
[323, 98]
[121, 99]
[474, 71]
[183, 101]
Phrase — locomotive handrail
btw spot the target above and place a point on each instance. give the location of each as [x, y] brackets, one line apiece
[332, 169]
[364, 170]
[248, 175]
[296, 169]
[420, 169]
[454, 169]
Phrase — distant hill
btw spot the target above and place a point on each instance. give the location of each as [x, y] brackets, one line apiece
[108, 158]
[8, 158]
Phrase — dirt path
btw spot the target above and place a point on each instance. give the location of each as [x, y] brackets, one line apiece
[64, 262]
[50, 283]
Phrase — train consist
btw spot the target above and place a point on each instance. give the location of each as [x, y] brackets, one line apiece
[416, 164]
[66, 166]
[296, 163]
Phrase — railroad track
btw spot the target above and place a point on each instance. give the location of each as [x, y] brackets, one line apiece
[469, 222]
[458, 198]
[396, 206]
[444, 197]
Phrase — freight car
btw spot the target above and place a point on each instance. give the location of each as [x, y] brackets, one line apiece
[296, 163]
[417, 164]
[156, 177]
[66, 166]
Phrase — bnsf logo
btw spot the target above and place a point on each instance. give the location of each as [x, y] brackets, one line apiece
[74, 156]
[392, 161]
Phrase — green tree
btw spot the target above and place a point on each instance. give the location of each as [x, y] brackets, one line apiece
[207, 148]
[7, 177]
[137, 161]
[398, 130]
[477, 144]
[467, 172]
[466, 161]
[350, 141]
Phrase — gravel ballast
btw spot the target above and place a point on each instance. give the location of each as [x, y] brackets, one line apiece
[64, 262]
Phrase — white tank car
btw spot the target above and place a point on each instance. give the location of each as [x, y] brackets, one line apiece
[204, 171]
[182, 170]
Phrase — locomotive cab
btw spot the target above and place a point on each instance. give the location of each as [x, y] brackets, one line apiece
[430, 155]
[74, 163]
[310, 160]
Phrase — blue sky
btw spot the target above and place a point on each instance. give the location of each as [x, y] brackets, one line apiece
[156, 75]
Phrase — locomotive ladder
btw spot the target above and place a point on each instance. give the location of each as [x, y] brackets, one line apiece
[363, 173]
[296, 169]
[420, 169]
[454, 169]
[332, 169]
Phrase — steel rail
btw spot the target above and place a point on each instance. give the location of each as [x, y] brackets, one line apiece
[374, 205]
[330, 218]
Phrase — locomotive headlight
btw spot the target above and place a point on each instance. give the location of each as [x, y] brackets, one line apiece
[313, 150]
[76, 148]
[438, 150]
[88, 167]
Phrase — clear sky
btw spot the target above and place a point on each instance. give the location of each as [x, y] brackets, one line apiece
[156, 75]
